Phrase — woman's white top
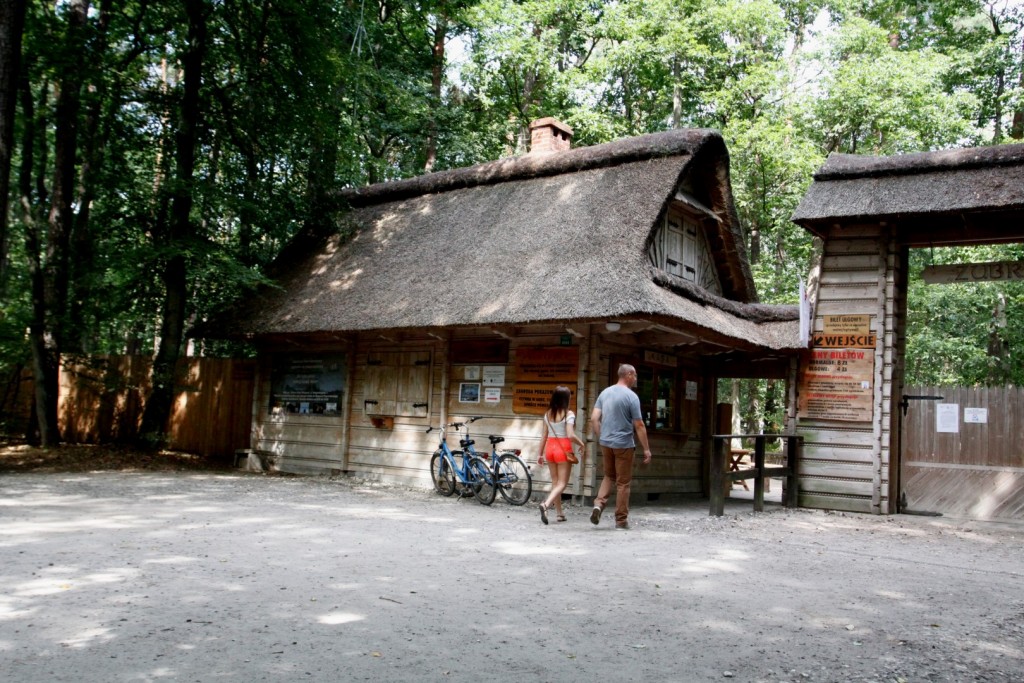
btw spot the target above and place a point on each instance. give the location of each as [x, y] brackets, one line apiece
[557, 429]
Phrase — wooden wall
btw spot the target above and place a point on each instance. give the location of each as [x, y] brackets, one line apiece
[977, 472]
[15, 402]
[101, 400]
[846, 465]
[399, 450]
[212, 413]
[303, 444]
[102, 397]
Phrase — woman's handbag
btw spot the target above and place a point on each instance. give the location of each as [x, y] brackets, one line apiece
[570, 456]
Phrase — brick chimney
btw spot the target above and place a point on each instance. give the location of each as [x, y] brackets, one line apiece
[549, 135]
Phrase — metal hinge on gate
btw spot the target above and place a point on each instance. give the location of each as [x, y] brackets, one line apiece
[905, 403]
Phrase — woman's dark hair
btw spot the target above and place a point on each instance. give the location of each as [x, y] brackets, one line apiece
[559, 402]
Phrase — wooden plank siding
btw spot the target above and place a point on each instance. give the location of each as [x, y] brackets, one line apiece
[398, 450]
[845, 465]
[101, 400]
[977, 472]
[211, 413]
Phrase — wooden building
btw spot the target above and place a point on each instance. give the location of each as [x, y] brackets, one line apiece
[476, 291]
[869, 211]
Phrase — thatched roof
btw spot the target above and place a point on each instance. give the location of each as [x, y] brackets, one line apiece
[561, 237]
[850, 187]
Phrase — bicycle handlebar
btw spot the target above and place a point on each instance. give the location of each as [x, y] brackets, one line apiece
[457, 425]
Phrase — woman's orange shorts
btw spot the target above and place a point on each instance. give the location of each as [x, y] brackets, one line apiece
[555, 449]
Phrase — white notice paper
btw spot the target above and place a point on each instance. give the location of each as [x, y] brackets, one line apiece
[978, 416]
[947, 418]
[492, 394]
[691, 391]
[494, 375]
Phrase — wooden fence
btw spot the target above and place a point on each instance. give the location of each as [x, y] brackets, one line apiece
[102, 399]
[976, 471]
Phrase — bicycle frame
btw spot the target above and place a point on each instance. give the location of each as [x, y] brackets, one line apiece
[465, 473]
[506, 471]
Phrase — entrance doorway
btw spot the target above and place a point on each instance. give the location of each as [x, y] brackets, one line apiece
[960, 413]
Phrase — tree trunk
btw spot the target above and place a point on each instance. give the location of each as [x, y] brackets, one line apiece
[12, 21]
[57, 269]
[323, 165]
[677, 95]
[153, 431]
[49, 272]
[80, 332]
[436, 75]
[753, 415]
[1017, 127]
[998, 346]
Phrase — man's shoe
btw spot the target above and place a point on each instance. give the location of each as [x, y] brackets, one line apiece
[595, 516]
[624, 526]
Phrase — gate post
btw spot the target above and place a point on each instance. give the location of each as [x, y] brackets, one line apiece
[718, 475]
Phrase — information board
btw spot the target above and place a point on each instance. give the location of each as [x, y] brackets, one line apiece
[838, 385]
[307, 384]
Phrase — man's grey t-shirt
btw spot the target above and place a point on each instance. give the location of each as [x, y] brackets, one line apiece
[619, 406]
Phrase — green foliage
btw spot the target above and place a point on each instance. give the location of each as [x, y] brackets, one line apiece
[960, 334]
[878, 100]
[301, 97]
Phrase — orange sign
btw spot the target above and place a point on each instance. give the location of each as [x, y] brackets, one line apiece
[551, 365]
[538, 371]
[837, 385]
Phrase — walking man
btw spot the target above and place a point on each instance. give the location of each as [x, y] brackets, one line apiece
[615, 420]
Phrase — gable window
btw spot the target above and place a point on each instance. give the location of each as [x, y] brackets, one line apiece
[397, 384]
[679, 247]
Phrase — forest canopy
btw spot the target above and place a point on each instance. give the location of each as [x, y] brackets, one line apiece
[157, 154]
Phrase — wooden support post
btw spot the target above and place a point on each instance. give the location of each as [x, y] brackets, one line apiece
[759, 470]
[794, 444]
[718, 460]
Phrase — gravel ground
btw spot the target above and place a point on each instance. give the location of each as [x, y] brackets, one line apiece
[205, 576]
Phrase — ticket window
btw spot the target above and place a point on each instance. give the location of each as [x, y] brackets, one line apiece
[657, 388]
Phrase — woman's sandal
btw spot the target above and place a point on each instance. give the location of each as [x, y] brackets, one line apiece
[560, 518]
[544, 513]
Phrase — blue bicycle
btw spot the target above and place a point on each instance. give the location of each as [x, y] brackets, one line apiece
[466, 473]
[506, 471]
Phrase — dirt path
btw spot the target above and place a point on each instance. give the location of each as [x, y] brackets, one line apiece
[209, 577]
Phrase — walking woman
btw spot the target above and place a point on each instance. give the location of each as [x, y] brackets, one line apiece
[556, 449]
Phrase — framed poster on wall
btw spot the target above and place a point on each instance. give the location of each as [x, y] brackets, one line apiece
[307, 384]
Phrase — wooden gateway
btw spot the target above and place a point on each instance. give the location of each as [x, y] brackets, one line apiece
[869, 211]
[477, 291]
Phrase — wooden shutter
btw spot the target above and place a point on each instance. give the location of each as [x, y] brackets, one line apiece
[413, 390]
[674, 247]
[379, 390]
[689, 252]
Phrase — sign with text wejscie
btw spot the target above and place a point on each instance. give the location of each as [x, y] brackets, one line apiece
[837, 385]
[845, 331]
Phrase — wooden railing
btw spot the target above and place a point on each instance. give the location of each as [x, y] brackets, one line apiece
[721, 460]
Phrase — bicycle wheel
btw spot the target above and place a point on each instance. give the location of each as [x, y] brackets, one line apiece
[514, 481]
[484, 487]
[441, 474]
